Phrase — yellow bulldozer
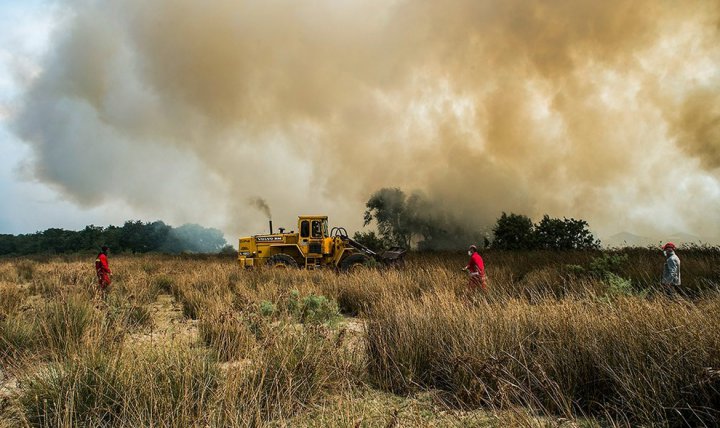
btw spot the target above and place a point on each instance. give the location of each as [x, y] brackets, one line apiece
[313, 247]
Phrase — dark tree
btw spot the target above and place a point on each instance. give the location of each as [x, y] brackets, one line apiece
[91, 237]
[404, 220]
[565, 234]
[390, 210]
[140, 237]
[8, 244]
[513, 232]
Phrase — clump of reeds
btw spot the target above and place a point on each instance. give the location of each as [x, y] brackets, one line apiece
[158, 387]
[11, 298]
[645, 360]
[64, 322]
[191, 299]
[290, 370]
[164, 284]
[227, 332]
[18, 337]
[127, 312]
[25, 270]
[86, 390]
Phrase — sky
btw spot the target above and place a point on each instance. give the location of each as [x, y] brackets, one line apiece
[27, 205]
[189, 113]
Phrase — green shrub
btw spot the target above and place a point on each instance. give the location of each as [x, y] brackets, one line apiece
[267, 308]
[576, 270]
[312, 308]
[607, 263]
[293, 302]
[618, 285]
[318, 309]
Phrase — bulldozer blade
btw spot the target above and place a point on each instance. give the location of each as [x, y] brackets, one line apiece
[394, 253]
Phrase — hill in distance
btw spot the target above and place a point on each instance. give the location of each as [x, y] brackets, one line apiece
[627, 239]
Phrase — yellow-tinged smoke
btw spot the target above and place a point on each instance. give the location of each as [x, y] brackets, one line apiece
[606, 111]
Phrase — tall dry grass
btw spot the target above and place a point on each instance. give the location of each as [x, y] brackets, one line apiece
[639, 360]
[556, 336]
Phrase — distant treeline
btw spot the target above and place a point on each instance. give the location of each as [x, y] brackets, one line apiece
[131, 237]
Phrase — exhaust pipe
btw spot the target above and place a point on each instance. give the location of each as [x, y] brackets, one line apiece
[271, 232]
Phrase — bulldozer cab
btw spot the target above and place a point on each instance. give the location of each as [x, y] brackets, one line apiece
[314, 236]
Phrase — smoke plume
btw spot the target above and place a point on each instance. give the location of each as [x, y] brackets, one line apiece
[260, 204]
[606, 111]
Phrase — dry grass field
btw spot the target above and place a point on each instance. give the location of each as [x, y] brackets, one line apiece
[561, 339]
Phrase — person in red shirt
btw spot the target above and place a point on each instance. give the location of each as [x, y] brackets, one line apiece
[103, 269]
[476, 270]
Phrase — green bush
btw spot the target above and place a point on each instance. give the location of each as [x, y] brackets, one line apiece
[312, 309]
[267, 309]
[607, 263]
[293, 302]
[575, 270]
[618, 285]
[318, 309]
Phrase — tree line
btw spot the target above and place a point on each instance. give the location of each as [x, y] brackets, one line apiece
[413, 221]
[131, 237]
[409, 221]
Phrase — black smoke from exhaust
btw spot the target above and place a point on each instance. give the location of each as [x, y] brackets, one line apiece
[262, 205]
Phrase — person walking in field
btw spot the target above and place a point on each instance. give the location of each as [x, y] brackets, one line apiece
[103, 270]
[476, 270]
[671, 271]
